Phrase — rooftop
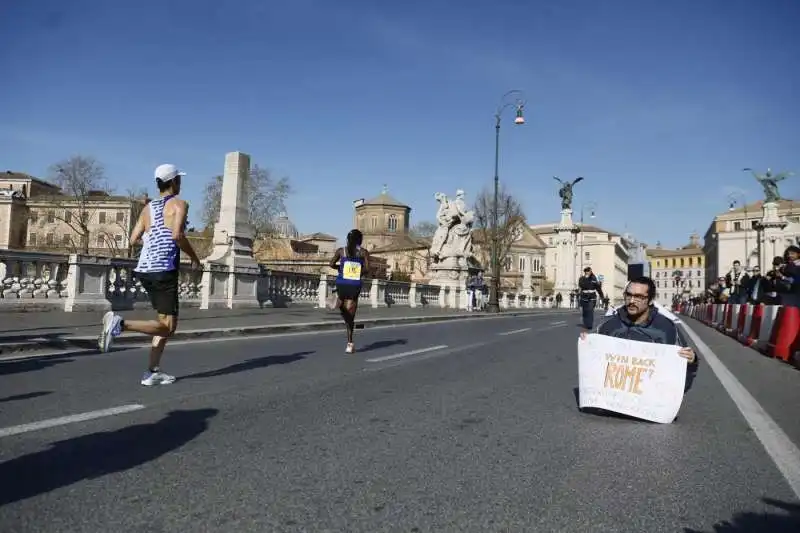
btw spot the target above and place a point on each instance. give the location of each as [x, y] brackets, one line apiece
[385, 199]
[756, 207]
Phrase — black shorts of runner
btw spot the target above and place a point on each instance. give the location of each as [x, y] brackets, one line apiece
[162, 288]
[348, 292]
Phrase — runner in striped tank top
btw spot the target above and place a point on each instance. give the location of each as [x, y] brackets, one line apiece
[161, 226]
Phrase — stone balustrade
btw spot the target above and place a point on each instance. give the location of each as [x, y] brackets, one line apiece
[32, 281]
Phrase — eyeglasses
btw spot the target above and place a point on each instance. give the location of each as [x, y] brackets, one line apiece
[635, 297]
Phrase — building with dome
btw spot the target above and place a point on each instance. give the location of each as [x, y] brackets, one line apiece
[383, 220]
[285, 228]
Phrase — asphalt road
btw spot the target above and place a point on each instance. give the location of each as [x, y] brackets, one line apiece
[290, 434]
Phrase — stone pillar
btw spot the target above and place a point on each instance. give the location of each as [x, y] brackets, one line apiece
[770, 230]
[412, 295]
[373, 293]
[87, 284]
[233, 243]
[566, 248]
[322, 291]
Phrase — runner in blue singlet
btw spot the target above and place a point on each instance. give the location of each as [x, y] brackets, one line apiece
[351, 262]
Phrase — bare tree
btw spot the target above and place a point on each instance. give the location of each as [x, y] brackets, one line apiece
[266, 197]
[82, 180]
[137, 199]
[510, 218]
[424, 229]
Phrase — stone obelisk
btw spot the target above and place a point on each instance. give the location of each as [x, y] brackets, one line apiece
[231, 273]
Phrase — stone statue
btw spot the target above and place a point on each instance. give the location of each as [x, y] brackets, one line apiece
[444, 219]
[453, 237]
[770, 183]
[565, 192]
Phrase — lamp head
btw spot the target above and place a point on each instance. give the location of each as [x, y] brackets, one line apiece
[592, 215]
[520, 118]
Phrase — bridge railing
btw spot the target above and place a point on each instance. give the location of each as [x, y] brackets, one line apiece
[35, 281]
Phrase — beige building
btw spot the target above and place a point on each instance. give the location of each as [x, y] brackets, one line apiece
[734, 235]
[324, 243]
[36, 215]
[383, 220]
[605, 251]
[678, 273]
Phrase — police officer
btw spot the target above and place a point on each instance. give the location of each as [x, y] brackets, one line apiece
[590, 288]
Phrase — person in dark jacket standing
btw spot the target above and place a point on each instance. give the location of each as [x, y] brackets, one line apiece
[589, 287]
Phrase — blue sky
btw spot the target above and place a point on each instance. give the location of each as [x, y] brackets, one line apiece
[658, 104]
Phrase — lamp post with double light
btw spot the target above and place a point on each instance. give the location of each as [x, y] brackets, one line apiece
[592, 208]
[515, 99]
[738, 199]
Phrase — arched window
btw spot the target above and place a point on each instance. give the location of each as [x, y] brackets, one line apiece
[392, 223]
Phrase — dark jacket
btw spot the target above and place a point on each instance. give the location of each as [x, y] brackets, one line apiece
[658, 329]
[590, 283]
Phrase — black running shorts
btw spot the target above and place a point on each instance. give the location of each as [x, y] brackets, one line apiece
[162, 288]
[348, 292]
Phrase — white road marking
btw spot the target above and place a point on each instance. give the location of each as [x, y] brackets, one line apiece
[559, 323]
[63, 420]
[406, 354]
[512, 332]
[424, 357]
[778, 445]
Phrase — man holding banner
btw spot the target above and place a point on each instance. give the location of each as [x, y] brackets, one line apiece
[640, 320]
[636, 363]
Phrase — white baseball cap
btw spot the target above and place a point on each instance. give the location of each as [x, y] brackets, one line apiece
[167, 172]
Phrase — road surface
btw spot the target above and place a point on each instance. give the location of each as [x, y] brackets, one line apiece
[456, 426]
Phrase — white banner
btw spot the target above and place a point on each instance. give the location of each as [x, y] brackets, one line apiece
[640, 379]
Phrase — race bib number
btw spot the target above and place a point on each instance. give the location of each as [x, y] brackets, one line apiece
[351, 270]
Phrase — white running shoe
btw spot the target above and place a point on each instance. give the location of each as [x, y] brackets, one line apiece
[157, 378]
[112, 327]
[350, 348]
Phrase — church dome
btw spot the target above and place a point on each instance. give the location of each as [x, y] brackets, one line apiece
[285, 228]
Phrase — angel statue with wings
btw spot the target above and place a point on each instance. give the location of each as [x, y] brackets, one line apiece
[770, 183]
[565, 192]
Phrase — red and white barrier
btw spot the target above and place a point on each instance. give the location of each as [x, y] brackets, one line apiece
[773, 330]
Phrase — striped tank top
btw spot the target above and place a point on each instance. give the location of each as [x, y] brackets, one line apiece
[160, 252]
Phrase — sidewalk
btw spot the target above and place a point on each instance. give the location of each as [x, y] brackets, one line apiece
[24, 332]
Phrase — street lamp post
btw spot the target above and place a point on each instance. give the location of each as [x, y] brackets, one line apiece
[593, 207]
[734, 199]
[514, 99]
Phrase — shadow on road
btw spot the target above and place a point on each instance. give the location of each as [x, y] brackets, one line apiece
[31, 365]
[752, 522]
[98, 454]
[251, 364]
[26, 396]
[377, 345]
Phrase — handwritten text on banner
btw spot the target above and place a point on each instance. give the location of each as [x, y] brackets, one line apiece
[640, 379]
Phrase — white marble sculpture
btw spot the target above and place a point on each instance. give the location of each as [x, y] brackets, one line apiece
[453, 238]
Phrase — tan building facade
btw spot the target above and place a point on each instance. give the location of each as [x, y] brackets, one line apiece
[734, 235]
[605, 251]
[678, 273]
[383, 220]
[35, 215]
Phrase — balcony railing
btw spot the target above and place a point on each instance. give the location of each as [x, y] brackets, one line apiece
[33, 281]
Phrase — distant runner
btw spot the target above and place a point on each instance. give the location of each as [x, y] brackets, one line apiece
[352, 262]
[161, 227]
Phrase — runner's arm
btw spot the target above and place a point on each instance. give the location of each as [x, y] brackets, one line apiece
[140, 227]
[335, 261]
[178, 230]
[366, 263]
